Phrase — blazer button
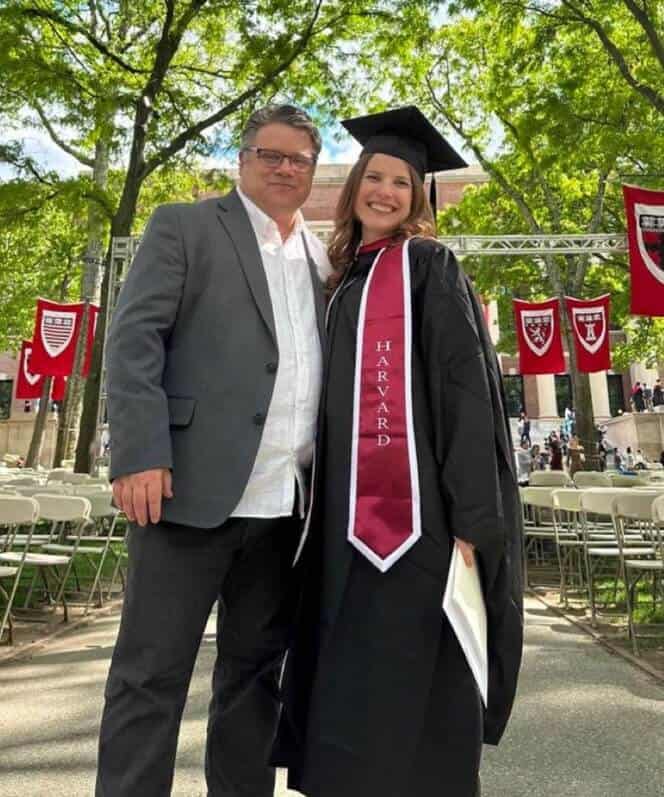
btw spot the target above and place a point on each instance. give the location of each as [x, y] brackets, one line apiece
[259, 419]
[271, 368]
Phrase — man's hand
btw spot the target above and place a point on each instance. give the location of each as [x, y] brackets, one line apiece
[139, 495]
[467, 551]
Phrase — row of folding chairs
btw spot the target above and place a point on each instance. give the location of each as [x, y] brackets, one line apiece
[44, 537]
[595, 531]
[584, 478]
[25, 479]
[54, 488]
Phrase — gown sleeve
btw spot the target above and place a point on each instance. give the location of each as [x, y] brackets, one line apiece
[459, 398]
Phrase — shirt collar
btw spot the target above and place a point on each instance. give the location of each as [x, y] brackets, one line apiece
[265, 226]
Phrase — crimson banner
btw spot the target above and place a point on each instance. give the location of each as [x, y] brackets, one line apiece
[29, 385]
[57, 327]
[645, 233]
[538, 333]
[58, 388]
[589, 320]
[54, 341]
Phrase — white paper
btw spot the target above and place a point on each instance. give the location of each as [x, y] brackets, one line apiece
[463, 603]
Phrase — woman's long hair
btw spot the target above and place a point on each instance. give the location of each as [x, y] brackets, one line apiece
[348, 230]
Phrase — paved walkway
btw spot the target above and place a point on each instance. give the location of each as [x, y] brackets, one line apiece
[587, 724]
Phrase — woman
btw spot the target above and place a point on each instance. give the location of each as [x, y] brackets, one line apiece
[536, 454]
[556, 452]
[413, 451]
[575, 456]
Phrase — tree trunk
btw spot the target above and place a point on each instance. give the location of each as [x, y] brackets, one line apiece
[71, 410]
[581, 398]
[120, 227]
[34, 452]
[59, 453]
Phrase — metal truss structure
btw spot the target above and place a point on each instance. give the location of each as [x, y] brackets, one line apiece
[122, 253]
[124, 249]
[535, 245]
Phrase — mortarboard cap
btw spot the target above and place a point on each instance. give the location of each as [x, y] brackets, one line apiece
[405, 133]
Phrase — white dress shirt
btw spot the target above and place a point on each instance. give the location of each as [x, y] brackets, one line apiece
[287, 442]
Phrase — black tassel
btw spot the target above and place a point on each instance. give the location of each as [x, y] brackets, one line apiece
[432, 201]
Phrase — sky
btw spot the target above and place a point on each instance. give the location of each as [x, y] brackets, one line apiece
[49, 156]
[39, 146]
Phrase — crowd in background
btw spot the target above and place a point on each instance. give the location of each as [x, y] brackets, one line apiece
[646, 399]
[562, 450]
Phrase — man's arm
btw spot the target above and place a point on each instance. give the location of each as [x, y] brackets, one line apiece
[137, 404]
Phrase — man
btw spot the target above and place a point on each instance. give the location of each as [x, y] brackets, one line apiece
[214, 371]
[524, 463]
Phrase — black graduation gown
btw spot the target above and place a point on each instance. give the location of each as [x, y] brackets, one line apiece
[378, 699]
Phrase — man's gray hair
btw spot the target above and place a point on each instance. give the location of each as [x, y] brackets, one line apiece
[284, 115]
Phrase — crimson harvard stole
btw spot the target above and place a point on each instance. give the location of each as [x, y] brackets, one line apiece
[384, 513]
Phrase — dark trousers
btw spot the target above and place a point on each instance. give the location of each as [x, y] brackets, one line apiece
[176, 574]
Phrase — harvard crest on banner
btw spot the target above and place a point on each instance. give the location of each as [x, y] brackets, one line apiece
[590, 323]
[538, 333]
[644, 210]
[57, 327]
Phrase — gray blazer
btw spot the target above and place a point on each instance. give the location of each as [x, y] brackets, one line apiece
[192, 357]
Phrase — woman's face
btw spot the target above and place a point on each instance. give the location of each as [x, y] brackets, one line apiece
[384, 198]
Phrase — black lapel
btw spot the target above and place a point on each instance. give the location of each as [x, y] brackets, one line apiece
[319, 295]
[232, 214]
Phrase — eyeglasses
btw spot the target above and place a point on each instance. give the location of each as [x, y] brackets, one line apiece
[272, 158]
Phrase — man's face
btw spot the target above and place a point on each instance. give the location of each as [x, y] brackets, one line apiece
[283, 189]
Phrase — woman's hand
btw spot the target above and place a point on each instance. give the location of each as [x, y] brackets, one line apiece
[467, 551]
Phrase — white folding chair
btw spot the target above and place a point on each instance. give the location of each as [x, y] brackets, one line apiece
[569, 539]
[539, 531]
[601, 548]
[61, 511]
[550, 478]
[636, 511]
[54, 488]
[15, 512]
[99, 480]
[592, 478]
[623, 480]
[89, 489]
[56, 475]
[95, 547]
[75, 478]
[22, 481]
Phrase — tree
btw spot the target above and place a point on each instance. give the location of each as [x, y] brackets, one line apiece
[41, 240]
[43, 249]
[153, 80]
[554, 126]
[631, 33]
